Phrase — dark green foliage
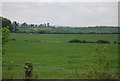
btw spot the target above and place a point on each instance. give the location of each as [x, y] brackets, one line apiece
[80, 41]
[24, 24]
[84, 41]
[15, 25]
[24, 31]
[102, 41]
[13, 39]
[74, 41]
[116, 42]
[6, 23]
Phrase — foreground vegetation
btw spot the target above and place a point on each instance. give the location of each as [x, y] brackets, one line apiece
[54, 56]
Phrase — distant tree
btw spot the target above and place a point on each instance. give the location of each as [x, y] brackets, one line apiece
[31, 25]
[40, 25]
[24, 24]
[48, 24]
[44, 24]
[35, 25]
[15, 25]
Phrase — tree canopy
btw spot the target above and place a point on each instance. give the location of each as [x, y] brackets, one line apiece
[6, 23]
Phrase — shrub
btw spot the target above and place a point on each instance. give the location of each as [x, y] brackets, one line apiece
[116, 42]
[102, 41]
[74, 41]
[80, 41]
[24, 32]
[83, 41]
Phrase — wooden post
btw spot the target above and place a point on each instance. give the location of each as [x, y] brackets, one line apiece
[28, 70]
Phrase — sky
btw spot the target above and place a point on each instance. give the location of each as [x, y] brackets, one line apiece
[59, 0]
[62, 13]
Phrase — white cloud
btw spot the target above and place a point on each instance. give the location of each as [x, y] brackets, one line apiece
[74, 14]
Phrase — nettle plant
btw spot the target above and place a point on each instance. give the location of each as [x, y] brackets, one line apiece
[101, 68]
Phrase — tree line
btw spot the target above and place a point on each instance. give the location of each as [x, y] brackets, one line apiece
[13, 26]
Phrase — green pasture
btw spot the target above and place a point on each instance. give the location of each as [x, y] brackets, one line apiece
[54, 51]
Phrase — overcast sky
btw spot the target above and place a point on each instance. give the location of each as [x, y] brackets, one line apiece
[62, 13]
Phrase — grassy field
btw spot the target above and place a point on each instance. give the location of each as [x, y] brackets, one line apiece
[54, 51]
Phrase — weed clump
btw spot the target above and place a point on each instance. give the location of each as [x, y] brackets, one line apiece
[101, 68]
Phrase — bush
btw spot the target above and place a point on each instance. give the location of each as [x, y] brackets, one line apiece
[84, 41]
[116, 42]
[77, 41]
[102, 41]
[24, 32]
[74, 41]
[13, 39]
[80, 41]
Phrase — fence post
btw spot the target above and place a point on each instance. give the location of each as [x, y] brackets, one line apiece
[28, 70]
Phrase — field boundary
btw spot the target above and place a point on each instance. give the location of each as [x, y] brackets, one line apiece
[64, 33]
[64, 69]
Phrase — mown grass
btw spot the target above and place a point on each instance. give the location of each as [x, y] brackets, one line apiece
[54, 51]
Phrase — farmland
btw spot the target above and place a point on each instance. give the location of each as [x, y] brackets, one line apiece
[99, 29]
[53, 51]
[59, 40]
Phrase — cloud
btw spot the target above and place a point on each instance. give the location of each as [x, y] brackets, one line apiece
[72, 13]
[60, 1]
